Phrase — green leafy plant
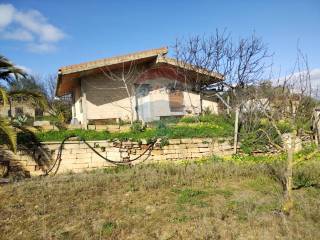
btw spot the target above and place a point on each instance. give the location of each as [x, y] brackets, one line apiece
[20, 120]
[137, 126]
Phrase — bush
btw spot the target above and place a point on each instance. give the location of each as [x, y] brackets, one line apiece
[161, 125]
[307, 175]
[137, 126]
[255, 138]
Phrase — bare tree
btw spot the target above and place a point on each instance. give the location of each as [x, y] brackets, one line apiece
[58, 107]
[290, 101]
[125, 79]
[241, 63]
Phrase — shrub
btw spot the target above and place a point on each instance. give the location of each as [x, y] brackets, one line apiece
[307, 175]
[161, 125]
[137, 126]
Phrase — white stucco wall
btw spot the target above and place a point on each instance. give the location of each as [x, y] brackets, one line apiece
[212, 106]
[77, 109]
[108, 99]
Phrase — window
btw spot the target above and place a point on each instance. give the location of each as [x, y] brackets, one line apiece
[176, 101]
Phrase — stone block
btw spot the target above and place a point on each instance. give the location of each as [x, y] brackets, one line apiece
[183, 155]
[156, 152]
[65, 156]
[207, 140]
[186, 140]
[127, 144]
[112, 149]
[124, 154]
[52, 146]
[203, 145]
[172, 156]
[41, 123]
[165, 147]
[97, 163]
[194, 150]
[191, 145]
[204, 150]
[197, 140]
[169, 151]
[79, 151]
[158, 157]
[174, 141]
[196, 155]
[71, 146]
[83, 155]
[182, 146]
[115, 156]
[178, 147]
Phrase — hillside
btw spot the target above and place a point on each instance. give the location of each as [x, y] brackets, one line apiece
[209, 199]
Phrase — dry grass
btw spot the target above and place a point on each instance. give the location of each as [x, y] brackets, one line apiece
[211, 200]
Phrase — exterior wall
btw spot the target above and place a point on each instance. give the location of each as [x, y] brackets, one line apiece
[77, 107]
[108, 99]
[78, 157]
[212, 106]
[159, 100]
[27, 110]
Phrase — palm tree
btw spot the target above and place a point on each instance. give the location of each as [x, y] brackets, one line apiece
[8, 74]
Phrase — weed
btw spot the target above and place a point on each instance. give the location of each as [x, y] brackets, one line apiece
[224, 192]
[108, 227]
[190, 196]
[180, 219]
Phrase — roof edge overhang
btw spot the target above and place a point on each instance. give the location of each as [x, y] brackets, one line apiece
[69, 75]
[106, 62]
[217, 77]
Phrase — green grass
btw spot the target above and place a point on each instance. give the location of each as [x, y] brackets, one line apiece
[201, 130]
[190, 196]
[202, 200]
[211, 126]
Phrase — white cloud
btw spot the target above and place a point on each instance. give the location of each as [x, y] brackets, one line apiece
[41, 47]
[30, 26]
[6, 14]
[18, 34]
[294, 80]
[36, 23]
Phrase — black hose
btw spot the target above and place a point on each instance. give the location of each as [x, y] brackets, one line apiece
[58, 159]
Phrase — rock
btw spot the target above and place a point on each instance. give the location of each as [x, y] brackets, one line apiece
[41, 123]
[150, 209]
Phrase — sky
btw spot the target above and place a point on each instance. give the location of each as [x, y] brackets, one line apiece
[42, 36]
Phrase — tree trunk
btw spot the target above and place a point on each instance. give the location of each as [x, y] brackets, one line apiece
[288, 202]
[130, 99]
[236, 129]
[228, 103]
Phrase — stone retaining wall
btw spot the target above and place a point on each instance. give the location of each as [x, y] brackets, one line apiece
[78, 157]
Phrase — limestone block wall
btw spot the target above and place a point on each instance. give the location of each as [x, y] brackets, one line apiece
[78, 157]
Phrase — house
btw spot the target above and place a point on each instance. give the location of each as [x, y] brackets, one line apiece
[19, 107]
[145, 86]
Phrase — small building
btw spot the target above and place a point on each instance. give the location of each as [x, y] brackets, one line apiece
[18, 107]
[145, 86]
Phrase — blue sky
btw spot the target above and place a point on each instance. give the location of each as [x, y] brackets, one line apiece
[44, 35]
